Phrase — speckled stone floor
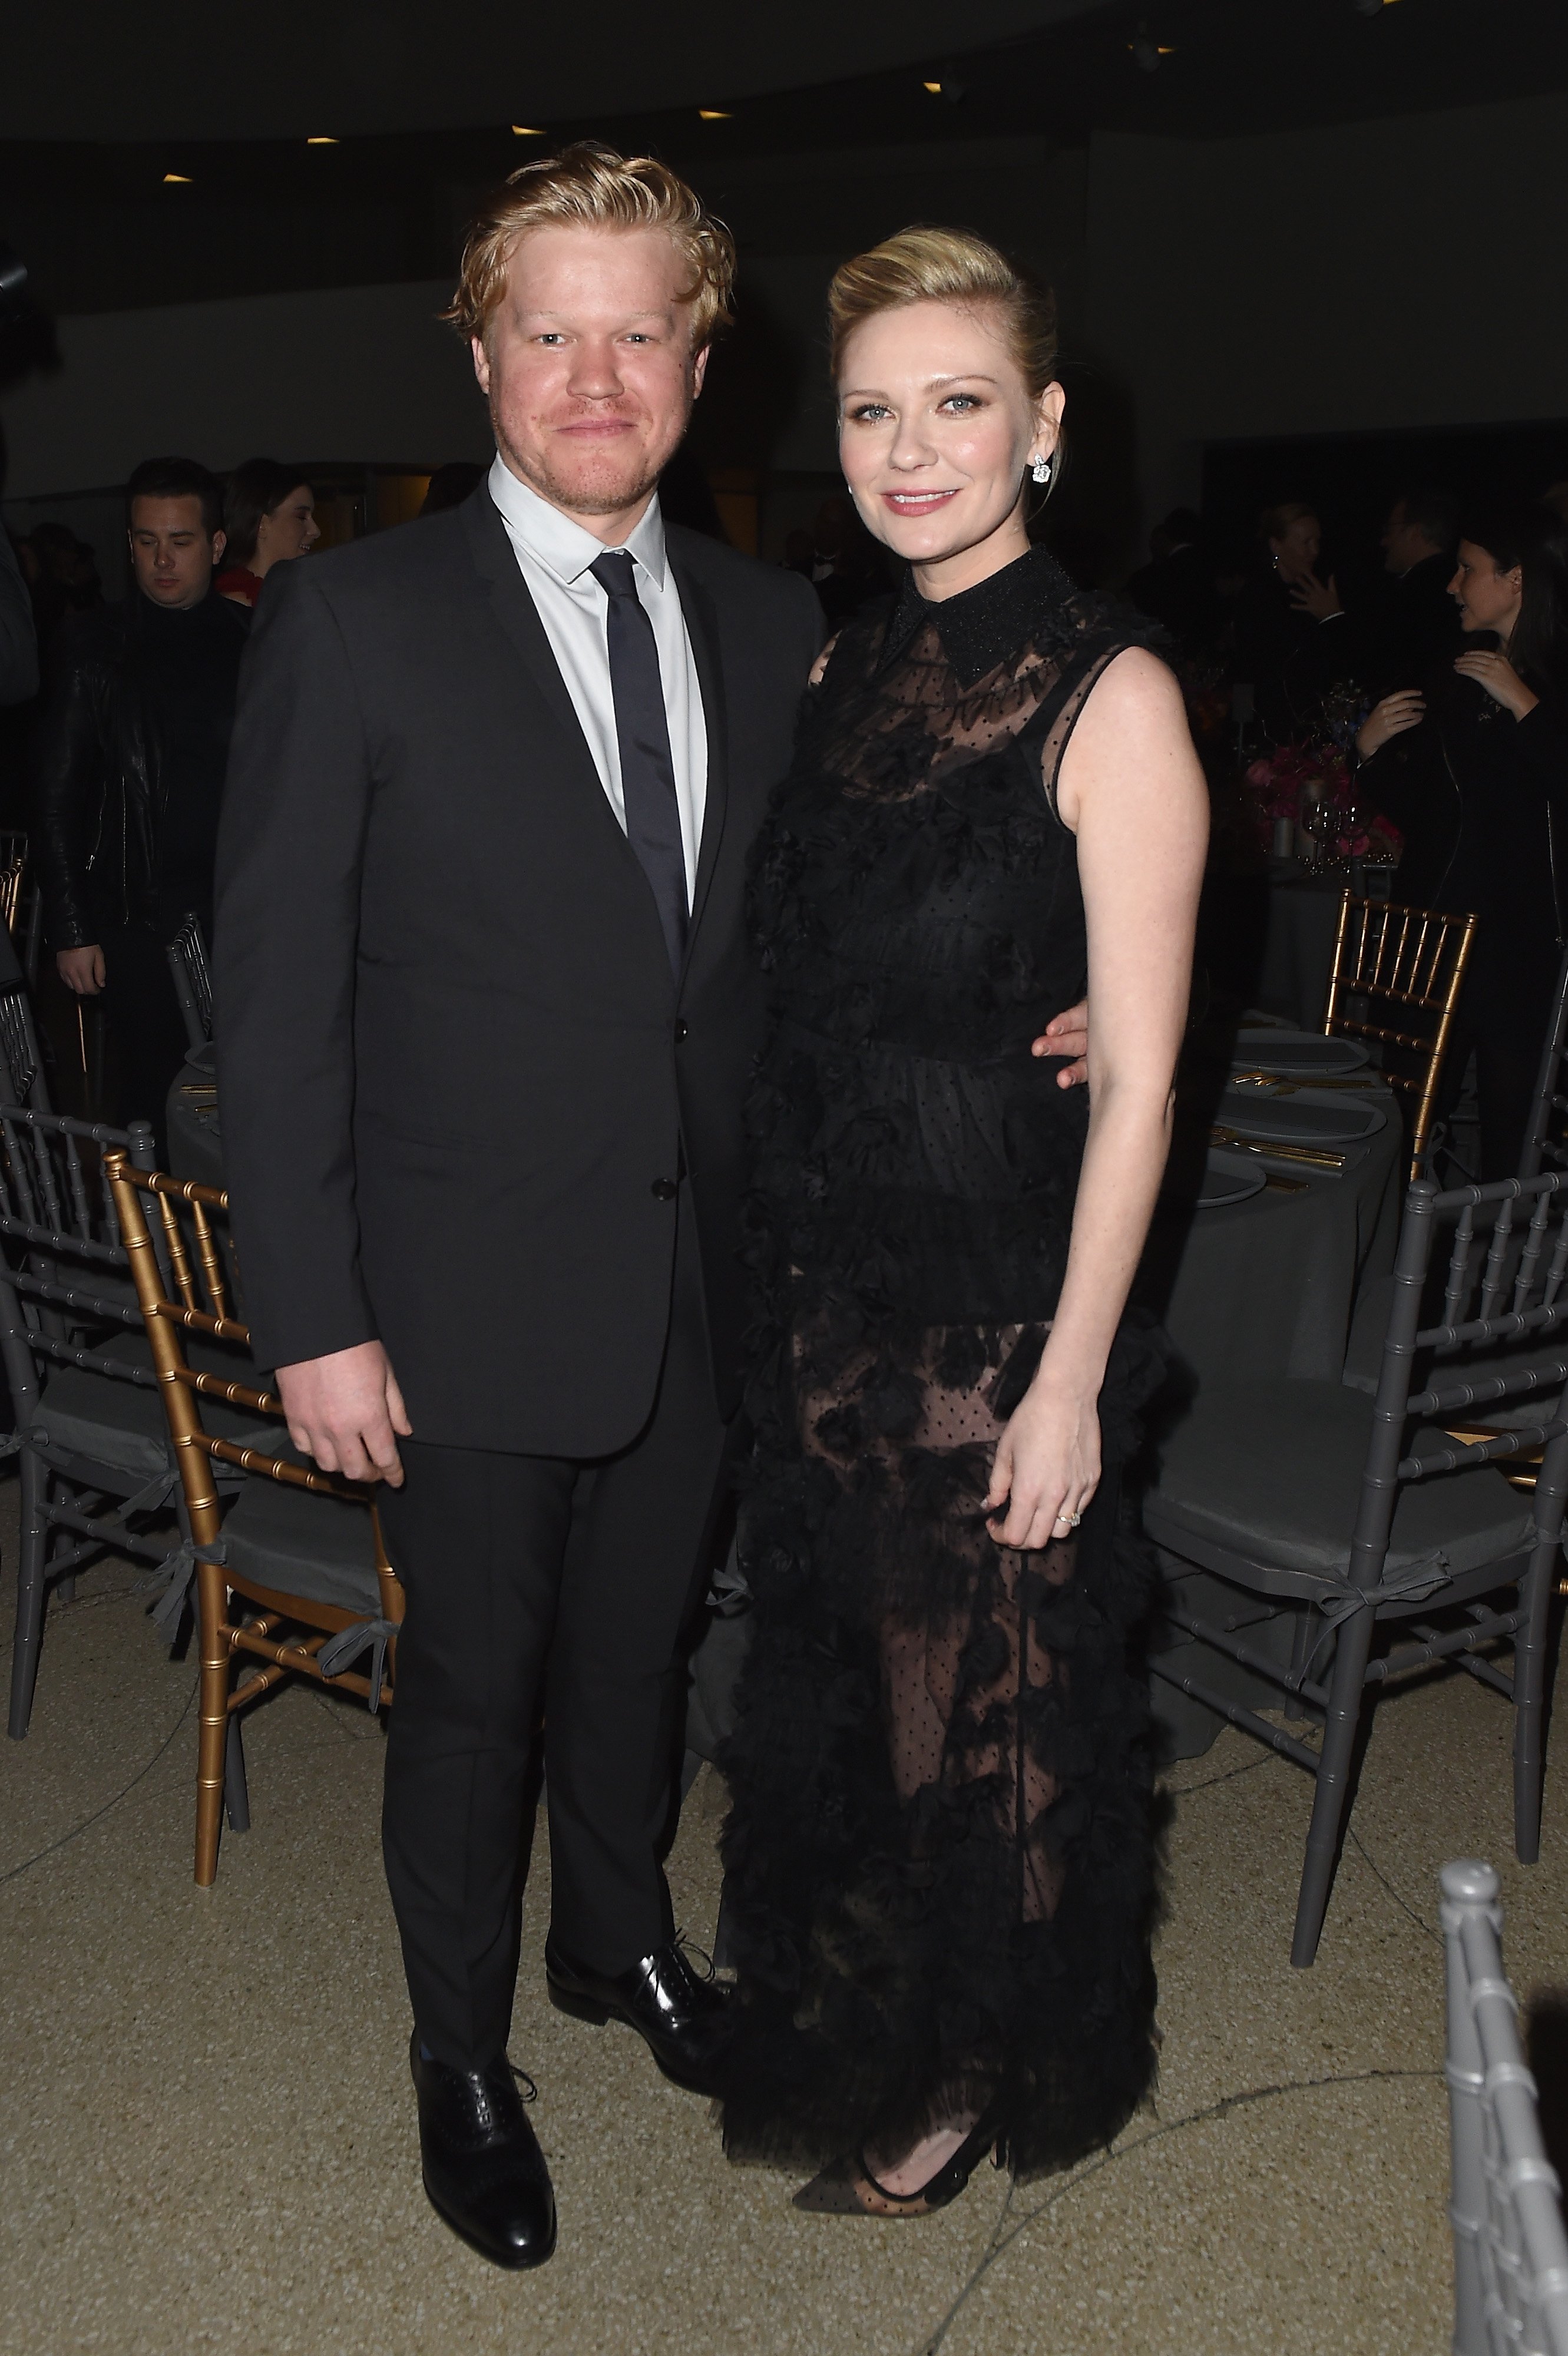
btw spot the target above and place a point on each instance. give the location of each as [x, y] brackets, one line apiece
[207, 2137]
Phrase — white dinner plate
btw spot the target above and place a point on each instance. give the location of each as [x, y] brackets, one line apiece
[1227, 1178]
[1302, 1119]
[1295, 1053]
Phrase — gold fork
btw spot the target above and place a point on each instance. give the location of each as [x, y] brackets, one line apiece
[1317, 1157]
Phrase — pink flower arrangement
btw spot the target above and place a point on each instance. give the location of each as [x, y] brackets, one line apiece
[1277, 784]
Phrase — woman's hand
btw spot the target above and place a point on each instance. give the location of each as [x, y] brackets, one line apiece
[1390, 718]
[1067, 1034]
[1046, 1466]
[1498, 677]
[1310, 595]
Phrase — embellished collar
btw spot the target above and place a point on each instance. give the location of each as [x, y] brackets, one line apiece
[983, 626]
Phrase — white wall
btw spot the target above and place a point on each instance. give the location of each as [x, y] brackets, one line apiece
[1359, 276]
[353, 373]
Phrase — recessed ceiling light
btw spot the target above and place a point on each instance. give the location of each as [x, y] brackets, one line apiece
[713, 113]
[934, 87]
[321, 139]
[176, 179]
[525, 131]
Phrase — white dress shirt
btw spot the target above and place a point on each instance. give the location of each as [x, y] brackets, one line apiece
[553, 555]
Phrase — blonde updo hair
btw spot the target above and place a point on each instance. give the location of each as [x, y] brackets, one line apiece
[948, 266]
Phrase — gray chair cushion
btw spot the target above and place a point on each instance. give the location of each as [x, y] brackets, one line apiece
[301, 1543]
[122, 1425]
[1271, 1471]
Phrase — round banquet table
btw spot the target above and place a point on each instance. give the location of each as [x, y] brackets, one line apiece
[195, 1129]
[1268, 1287]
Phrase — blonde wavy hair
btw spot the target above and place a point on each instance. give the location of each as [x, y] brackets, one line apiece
[948, 266]
[592, 185]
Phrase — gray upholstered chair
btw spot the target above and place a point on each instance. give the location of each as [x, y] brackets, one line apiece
[1544, 1139]
[192, 980]
[293, 1576]
[1364, 1515]
[89, 1436]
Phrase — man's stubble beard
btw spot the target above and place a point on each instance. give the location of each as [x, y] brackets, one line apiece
[592, 494]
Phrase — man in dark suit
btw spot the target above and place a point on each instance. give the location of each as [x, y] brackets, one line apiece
[485, 1009]
[1418, 627]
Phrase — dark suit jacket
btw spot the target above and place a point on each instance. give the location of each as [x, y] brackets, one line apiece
[457, 1076]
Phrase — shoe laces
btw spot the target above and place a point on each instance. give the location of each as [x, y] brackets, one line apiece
[529, 2090]
[687, 1946]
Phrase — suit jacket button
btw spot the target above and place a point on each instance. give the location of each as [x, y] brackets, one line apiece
[682, 1028]
[665, 1190]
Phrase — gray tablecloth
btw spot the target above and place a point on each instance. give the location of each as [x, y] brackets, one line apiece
[1298, 943]
[195, 1130]
[1268, 1287]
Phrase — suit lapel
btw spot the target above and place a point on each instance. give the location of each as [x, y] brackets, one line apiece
[703, 629]
[517, 615]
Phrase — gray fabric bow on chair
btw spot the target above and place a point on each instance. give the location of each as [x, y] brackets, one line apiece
[341, 1651]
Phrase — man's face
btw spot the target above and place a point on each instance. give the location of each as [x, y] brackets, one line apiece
[1404, 543]
[171, 552]
[588, 367]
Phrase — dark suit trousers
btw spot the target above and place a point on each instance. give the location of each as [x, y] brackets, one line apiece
[555, 1588]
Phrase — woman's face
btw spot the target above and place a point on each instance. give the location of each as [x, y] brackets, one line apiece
[1296, 550]
[937, 429]
[289, 530]
[1489, 600]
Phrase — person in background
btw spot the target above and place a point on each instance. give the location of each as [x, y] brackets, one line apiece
[62, 578]
[1420, 622]
[18, 645]
[128, 773]
[1293, 640]
[269, 518]
[449, 486]
[1473, 770]
[1178, 585]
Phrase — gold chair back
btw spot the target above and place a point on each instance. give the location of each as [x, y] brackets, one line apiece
[1395, 981]
[285, 1631]
[12, 868]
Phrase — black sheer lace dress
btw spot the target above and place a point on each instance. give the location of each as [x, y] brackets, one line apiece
[939, 1856]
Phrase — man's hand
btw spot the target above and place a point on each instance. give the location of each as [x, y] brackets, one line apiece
[82, 970]
[344, 1410]
[1067, 1034]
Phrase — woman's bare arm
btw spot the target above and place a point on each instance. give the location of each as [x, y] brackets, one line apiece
[1131, 790]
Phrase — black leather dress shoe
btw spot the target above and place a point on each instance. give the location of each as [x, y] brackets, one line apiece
[684, 2021]
[483, 2168]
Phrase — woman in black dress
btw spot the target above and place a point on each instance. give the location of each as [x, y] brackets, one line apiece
[939, 1855]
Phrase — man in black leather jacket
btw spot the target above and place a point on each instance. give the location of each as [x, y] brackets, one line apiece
[128, 774]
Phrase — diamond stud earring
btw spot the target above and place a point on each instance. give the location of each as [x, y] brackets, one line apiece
[1041, 469]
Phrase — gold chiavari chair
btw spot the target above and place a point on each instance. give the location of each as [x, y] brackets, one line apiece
[1396, 980]
[12, 868]
[294, 1574]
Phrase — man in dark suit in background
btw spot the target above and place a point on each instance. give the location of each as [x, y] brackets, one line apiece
[485, 1009]
[1418, 623]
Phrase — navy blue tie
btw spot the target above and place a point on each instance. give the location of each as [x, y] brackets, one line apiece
[647, 770]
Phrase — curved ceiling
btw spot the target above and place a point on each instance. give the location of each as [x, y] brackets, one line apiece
[98, 70]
